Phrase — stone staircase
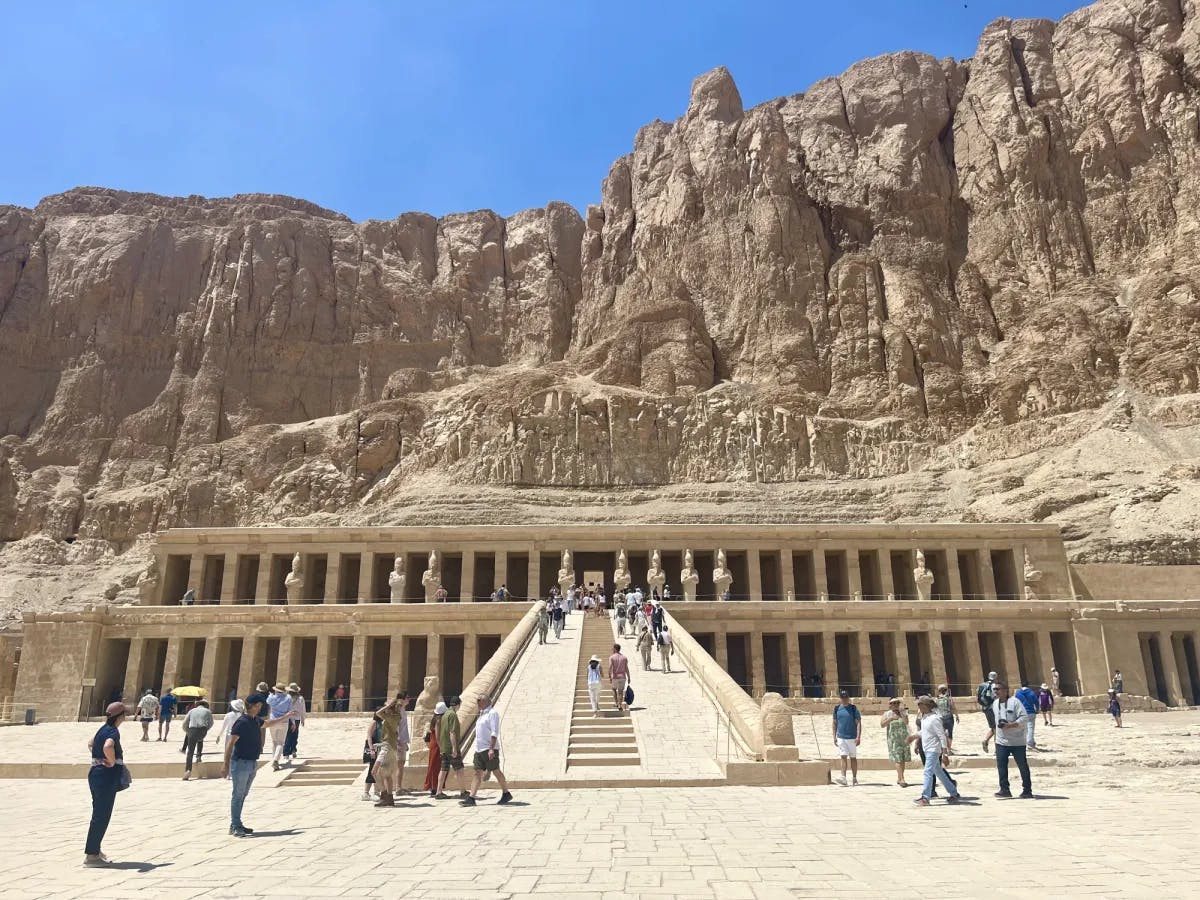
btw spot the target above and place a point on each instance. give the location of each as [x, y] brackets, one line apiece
[608, 740]
[316, 772]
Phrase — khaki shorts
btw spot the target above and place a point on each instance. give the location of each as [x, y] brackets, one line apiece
[385, 757]
[485, 761]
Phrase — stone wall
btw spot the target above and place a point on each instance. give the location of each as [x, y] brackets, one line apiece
[1123, 581]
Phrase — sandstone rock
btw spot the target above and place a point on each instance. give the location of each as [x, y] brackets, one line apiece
[921, 289]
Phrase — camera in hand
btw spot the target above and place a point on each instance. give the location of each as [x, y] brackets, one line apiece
[1002, 722]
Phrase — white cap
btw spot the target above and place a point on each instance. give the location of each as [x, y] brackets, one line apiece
[440, 709]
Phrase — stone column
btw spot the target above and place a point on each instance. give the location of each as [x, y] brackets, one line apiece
[366, 577]
[937, 659]
[262, 587]
[320, 686]
[133, 668]
[819, 574]
[1045, 655]
[1166, 649]
[975, 672]
[358, 672]
[195, 578]
[952, 568]
[1180, 653]
[721, 645]
[229, 579]
[787, 573]
[501, 568]
[987, 577]
[433, 665]
[758, 666]
[396, 666]
[754, 570]
[853, 573]
[795, 673]
[866, 665]
[831, 676]
[470, 652]
[466, 593]
[171, 667]
[534, 579]
[247, 670]
[283, 667]
[333, 576]
[1012, 663]
[208, 666]
[886, 583]
[904, 669]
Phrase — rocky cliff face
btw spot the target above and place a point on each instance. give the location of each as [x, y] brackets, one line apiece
[921, 289]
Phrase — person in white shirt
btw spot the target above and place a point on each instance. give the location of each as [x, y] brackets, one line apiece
[932, 735]
[666, 646]
[236, 708]
[291, 743]
[487, 752]
[147, 710]
[594, 679]
[1010, 716]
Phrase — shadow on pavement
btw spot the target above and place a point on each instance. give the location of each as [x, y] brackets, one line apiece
[141, 867]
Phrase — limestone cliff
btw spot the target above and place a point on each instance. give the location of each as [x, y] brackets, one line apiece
[923, 289]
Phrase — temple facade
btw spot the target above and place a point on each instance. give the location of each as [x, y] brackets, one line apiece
[800, 610]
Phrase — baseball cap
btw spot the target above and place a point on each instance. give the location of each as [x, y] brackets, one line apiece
[116, 708]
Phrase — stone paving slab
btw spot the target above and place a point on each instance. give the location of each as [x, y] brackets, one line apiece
[655, 842]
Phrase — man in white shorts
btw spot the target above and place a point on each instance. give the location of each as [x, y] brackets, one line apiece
[847, 734]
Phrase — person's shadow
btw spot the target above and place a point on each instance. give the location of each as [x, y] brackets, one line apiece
[284, 832]
[140, 867]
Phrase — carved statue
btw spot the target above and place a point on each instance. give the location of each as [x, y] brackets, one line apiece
[656, 578]
[294, 583]
[722, 577]
[418, 753]
[621, 577]
[922, 577]
[397, 579]
[1032, 577]
[432, 579]
[688, 576]
[566, 572]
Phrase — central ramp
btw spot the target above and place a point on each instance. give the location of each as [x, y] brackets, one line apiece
[606, 738]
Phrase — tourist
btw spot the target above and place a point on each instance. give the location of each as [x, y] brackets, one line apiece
[147, 712]
[558, 618]
[621, 611]
[618, 676]
[1118, 682]
[340, 696]
[593, 685]
[666, 593]
[106, 777]
[236, 708]
[571, 599]
[1054, 682]
[279, 716]
[291, 743]
[985, 695]
[166, 711]
[450, 742]
[1114, 706]
[242, 750]
[657, 616]
[196, 725]
[434, 769]
[640, 622]
[895, 721]
[934, 746]
[487, 752]
[666, 647]
[847, 734]
[1029, 699]
[543, 623]
[1046, 705]
[1009, 715]
[948, 712]
[645, 646]
[189, 597]
[369, 754]
[392, 715]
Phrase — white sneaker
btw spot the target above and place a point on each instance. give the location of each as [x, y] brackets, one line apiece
[841, 779]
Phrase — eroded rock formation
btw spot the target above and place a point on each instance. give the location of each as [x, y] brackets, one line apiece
[922, 289]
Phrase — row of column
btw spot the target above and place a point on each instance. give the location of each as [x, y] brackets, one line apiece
[252, 667]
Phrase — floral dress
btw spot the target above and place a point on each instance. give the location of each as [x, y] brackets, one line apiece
[897, 739]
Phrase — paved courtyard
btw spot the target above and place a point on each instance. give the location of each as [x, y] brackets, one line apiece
[1107, 825]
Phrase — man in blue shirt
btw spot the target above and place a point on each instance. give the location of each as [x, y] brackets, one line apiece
[166, 709]
[242, 749]
[1029, 700]
[847, 734]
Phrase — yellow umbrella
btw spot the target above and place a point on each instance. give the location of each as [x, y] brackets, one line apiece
[186, 692]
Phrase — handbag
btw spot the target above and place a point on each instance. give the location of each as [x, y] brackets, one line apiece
[628, 695]
[126, 778]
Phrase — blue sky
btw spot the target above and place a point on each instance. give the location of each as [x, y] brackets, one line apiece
[374, 109]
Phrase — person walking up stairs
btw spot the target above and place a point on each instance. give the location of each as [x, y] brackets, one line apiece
[607, 739]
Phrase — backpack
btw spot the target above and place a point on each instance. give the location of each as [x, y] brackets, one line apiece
[985, 695]
[628, 695]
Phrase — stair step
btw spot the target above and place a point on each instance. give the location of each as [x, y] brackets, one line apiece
[602, 761]
[623, 749]
[598, 738]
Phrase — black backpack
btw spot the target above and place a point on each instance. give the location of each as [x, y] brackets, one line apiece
[985, 694]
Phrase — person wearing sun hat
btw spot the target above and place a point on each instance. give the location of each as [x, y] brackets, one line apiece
[895, 723]
[299, 717]
[1046, 704]
[434, 769]
[105, 779]
[279, 706]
